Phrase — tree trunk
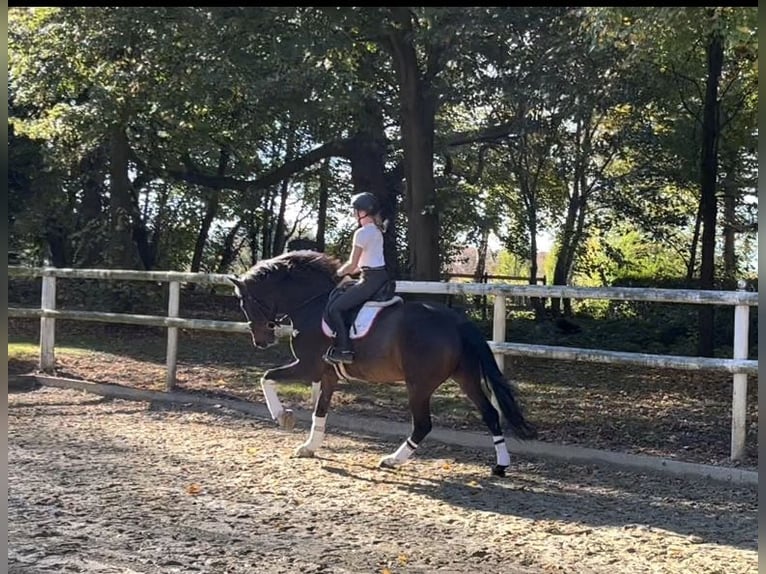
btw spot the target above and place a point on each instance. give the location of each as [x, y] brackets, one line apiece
[253, 230]
[147, 252]
[730, 223]
[159, 227]
[529, 195]
[367, 153]
[122, 250]
[211, 210]
[709, 173]
[576, 240]
[538, 303]
[528, 177]
[267, 225]
[57, 241]
[480, 301]
[417, 120]
[228, 252]
[280, 237]
[561, 270]
[279, 233]
[692, 266]
[324, 192]
[481, 255]
[576, 210]
[90, 247]
[394, 190]
[566, 244]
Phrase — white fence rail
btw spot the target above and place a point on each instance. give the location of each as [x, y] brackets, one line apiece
[740, 366]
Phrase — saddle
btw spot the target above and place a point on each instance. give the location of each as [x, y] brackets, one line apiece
[361, 317]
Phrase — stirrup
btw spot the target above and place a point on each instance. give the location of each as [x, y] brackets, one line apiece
[333, 355]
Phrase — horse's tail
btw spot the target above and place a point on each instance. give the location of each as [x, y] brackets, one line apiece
[475, 343]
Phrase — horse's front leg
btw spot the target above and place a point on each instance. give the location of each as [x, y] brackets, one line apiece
[292, 372]
[318, 419]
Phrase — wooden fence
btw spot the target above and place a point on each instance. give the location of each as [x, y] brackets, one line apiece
[739, 365]
[514, 302]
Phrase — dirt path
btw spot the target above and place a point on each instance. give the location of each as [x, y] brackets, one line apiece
[109, 486]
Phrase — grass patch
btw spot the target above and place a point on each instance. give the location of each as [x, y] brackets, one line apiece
[22, 351]
[295, 391]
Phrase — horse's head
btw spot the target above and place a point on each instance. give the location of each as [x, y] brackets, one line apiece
[261, 316]
[276, 287]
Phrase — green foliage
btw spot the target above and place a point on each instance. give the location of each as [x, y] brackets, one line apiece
[665, 50]
[32, 198]
[614, 256]
[510, 264]
[632, 326]
[603, 104]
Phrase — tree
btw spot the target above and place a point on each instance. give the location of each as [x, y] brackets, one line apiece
[704, 37]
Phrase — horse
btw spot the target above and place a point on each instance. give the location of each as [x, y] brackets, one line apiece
[420, 343]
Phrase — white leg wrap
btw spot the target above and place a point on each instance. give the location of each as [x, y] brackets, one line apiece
[272, 400]
[503, 457]
[317, 432]
[315, 390]
[405, 451]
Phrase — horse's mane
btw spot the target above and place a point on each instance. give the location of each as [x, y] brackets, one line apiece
[304, 260]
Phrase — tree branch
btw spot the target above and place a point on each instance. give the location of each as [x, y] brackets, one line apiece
[681, 94]
[734, 78]
[491, 134]
[685, 105]
[191, 174]
[729, 117]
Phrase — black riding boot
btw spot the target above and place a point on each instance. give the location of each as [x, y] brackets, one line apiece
[341, 352]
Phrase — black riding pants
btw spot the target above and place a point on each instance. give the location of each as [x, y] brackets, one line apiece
[371, 280]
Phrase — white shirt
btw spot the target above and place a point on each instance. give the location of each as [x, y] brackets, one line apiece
[370, 239]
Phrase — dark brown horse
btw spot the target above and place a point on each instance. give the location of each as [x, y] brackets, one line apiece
[422, 344]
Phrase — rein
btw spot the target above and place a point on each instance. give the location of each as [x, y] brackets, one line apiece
[307, 301]
[277, 321]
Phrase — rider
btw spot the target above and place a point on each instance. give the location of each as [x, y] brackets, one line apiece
[367, 256]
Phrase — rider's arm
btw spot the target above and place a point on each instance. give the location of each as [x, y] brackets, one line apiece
[351, 266]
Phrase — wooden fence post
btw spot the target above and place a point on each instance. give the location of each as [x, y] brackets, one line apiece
[48, 325]
[498, 336]
[498, 328]
[739, 387]
[174, 299]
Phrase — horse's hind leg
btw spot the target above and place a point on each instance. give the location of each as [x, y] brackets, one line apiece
[318, 419]
[420, 407]
[469, 379]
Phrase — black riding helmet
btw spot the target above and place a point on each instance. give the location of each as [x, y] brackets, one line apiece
[365, 202]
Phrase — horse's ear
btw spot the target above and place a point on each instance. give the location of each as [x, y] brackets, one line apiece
[239, 286]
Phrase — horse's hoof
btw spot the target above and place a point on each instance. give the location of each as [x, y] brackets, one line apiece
[303, 452]
[286, 420]
[498, 470]
[389, 462]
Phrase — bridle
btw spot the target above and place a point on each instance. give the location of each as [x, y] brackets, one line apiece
[264, 311]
